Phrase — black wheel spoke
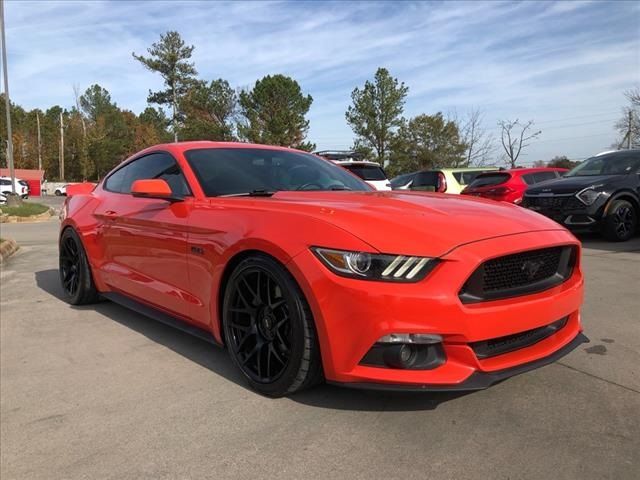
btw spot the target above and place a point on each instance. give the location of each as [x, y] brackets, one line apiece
[251, 292]
[277, 304]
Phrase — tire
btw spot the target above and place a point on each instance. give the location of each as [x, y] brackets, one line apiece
[269, 329]
[621, 221]
[75, 275]
[58, 193]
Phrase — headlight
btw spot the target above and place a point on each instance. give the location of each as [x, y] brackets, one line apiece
[375, 266]
[588, 195]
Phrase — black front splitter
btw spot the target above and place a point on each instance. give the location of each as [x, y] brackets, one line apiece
[478, 380]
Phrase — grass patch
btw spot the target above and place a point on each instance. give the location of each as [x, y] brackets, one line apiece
[25, 210]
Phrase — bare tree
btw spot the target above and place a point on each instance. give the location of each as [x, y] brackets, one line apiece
[480, 144]
[629, 124]
[76, 94]
[515, 137]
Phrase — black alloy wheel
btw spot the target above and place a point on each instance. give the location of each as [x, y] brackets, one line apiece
[269, 329]
[75, 275]
[621, 221]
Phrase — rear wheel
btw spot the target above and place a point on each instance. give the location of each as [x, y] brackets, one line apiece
[269, 328]
[75, 274]
[621, 221]
[58, 193]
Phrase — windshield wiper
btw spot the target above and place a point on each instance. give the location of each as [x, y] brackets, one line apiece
[252, 193]
[336, 188]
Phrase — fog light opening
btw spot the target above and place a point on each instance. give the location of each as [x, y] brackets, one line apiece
[400, 356]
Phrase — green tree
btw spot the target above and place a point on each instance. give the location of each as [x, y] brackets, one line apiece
[209, 110]
[376, 112]
[274, 112]
[96, 101]
[169, 57]
[110, 135]
[562, 162]
[426, 141]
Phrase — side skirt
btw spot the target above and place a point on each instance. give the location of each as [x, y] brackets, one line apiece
[160, 316]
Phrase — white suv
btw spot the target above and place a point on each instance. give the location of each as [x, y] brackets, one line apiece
[370, 172]
[22, 187]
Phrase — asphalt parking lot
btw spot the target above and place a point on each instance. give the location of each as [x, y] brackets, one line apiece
[101, 392]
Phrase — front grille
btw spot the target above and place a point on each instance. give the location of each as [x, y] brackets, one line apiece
[552, 204]
[509, 343]
[520, 269]
[519, 274]
[544, 203]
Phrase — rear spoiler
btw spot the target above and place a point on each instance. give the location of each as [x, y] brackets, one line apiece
[80, 188]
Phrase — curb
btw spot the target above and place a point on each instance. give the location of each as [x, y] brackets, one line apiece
[7, 248]
[4, 218]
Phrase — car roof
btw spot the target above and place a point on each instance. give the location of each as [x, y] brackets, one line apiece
[617, 152]
[199, 144]
[465, 169]
[356, 163]
[522, 171]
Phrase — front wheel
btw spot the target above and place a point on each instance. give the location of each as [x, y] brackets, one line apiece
[58, 193]
[621, 221]
[269, 329]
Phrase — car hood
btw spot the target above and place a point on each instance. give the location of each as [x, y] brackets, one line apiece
[570, 184]
[414, 223]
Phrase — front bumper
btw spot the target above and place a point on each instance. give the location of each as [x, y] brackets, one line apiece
[571, 213]
[478, 380]
[351, 315]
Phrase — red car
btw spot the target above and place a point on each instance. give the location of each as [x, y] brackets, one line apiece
[304, 272]
[510, 185]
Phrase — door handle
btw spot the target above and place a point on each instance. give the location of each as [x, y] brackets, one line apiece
[110, 213]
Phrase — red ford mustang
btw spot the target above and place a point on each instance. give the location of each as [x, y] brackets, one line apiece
[304, 272]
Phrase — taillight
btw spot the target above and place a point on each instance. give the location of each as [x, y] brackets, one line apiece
[499, 191]
[442, 183]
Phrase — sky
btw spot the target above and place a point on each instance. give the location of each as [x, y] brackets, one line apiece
[564, 65]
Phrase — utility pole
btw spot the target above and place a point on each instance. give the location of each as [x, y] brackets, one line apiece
[39, 142]
[61, 158]
[39, 151]
[12, 173]
[629, 128]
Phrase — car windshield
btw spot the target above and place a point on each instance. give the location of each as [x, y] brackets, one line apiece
[367, 172]
[239, 171]
[606, 165]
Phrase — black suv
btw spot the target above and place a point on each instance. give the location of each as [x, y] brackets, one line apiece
[601, 194]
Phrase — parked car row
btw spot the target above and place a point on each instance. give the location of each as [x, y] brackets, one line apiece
[602, 194]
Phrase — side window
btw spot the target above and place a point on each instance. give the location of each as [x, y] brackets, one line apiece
[5, 182]
[115, 181]
[544, 176]
[528, 179]
[155, 165]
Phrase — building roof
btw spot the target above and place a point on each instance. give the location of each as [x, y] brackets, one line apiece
[23, 173]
